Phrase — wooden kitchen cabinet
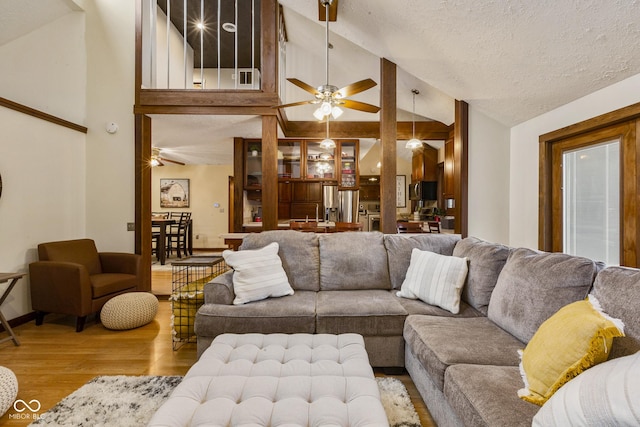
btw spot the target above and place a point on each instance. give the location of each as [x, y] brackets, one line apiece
[284, 200]
[424, 164]
[370, 188]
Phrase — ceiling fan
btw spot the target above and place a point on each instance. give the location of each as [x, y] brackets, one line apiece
[329, 96]
[158, 160]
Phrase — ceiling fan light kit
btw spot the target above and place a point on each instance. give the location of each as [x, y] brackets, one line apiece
[329, 96]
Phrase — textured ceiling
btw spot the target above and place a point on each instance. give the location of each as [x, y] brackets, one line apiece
[513, 60]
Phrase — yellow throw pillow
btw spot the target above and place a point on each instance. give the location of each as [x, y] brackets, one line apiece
[576, 337]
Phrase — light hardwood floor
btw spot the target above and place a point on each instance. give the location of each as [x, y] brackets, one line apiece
[53, 360]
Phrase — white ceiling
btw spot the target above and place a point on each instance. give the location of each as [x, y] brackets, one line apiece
[512, 60]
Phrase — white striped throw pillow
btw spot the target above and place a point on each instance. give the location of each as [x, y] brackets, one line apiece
[435, 279]
[258, 274]
[605, 395]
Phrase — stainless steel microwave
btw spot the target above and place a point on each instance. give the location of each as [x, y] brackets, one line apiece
[423, 190]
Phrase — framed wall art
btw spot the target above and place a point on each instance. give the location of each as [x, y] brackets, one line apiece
[174, 193]
[401, 191]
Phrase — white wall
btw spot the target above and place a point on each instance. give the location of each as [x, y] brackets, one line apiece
[46, 69]
[488, 178]
[523, 177]
[110, 47]
[208, 184]
[42, 164]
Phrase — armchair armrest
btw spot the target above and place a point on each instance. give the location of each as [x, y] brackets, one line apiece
[60, 287]
[220, 289]
[119, 262]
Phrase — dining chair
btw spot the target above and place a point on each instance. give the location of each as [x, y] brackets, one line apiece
[348, 226]
[177, 236]
[433, 226]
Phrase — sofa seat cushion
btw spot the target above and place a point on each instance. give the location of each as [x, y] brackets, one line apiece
[372, 312]
[344, 254]
[399, 247]
[299, 254]
[533, 285]
[418, 307]
[289, 314]
[110, 283]
[486, 395]
[439, 342]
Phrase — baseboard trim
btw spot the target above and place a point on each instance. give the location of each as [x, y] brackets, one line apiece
[21, 320]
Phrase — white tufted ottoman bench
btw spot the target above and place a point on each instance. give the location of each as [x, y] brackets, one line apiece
[277, 380]
[129, 310]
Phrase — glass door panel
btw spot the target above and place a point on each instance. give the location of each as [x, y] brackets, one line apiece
[591, 202]
[321, 162]
[289, 159]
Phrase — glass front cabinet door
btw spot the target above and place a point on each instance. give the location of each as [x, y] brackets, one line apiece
[321, 162]
[253, 164]
[348, 165]
[289, 159]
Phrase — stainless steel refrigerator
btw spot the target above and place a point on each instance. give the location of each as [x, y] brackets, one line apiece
[349, 204]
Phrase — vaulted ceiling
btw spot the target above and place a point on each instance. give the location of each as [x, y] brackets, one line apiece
[511, 60]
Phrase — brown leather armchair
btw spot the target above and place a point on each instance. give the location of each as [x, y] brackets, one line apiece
[71, 277]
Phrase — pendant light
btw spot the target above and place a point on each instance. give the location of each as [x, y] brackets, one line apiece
[328, 143]
[414, 143]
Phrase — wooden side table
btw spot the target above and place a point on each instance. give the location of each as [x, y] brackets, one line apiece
[5, 277]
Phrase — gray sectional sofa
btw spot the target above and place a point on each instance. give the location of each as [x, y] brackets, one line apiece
[464, 365]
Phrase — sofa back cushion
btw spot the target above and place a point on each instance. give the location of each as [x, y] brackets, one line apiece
[353, 260]
[299, 254]
[533, 285]
[485, 261]
[80, 251]
[618, 291]
[399, 247]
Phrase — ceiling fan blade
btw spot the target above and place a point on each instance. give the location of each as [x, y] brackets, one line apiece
[295, 104]
[302, 85]
[354, 88]
[172, 161]
[361, 106]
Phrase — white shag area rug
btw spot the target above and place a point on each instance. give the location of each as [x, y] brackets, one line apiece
[125, 401]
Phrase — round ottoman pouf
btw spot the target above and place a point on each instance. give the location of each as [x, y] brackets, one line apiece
[128, 311]
[8, 389]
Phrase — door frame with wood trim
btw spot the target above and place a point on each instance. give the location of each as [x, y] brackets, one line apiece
[604, 126]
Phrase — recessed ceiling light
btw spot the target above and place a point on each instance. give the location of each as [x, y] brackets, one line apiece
[229, 27]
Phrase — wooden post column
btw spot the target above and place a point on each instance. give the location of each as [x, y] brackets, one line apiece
[269, 173]
[388, 136]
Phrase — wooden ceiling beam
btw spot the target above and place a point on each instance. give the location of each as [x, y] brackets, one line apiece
[341, 129]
